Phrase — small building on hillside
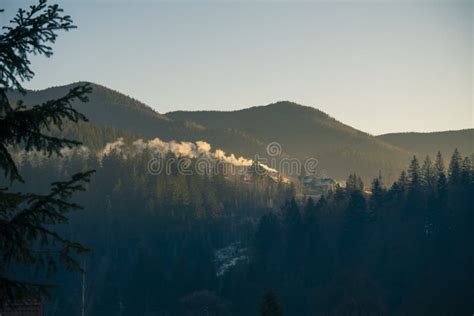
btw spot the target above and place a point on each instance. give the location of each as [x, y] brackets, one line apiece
[314, 185]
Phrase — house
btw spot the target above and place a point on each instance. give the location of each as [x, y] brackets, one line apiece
[314, 185]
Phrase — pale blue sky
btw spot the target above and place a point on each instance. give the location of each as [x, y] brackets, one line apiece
[380, 66]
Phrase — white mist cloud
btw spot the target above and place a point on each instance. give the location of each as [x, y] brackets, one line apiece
[116, 147]
[180, 149]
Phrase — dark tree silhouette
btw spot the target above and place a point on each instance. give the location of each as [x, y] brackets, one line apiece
[455, 166]
[378, 192]
[354, 183]
[428, 174]
[355, 219]
[27, 238]
[270, 305]
[414, 173]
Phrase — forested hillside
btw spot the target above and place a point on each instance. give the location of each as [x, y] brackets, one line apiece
[307, 132]
[111, 109]
[429, 143]
[212, 245]
[301, 131]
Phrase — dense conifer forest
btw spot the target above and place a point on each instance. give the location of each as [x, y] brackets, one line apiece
[397, 248]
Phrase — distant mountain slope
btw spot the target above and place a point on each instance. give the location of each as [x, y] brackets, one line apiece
[114, 110]
[429, 143]
[307, 132]
[302, 131]
[111, 108]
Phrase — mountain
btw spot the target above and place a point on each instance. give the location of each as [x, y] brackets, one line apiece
[424, 144]
[108, 107]
[112, 112]
[303, 132]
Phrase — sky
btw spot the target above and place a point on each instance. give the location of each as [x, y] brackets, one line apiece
[379, 66]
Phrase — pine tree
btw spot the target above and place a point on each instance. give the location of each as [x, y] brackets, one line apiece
[399, 188]
[455, 166]
[439, 164]
[354, 183]
[414, 174]
[26, 234]
[428, 174]
[440, 172]
[339, 194]
[403, 180]
[442, 186]
[270, 305]
[466, 172]
[378, 192]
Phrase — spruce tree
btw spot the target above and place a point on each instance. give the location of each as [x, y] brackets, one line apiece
[428, 174]
[439, 164]
[403, 180]
[415, 197]
[339, 194]
[466, 172]
[27, 234]
[442, 186]
[377, 196]
[455, 166]
[414, 174]
[270, 305]
[354, 183]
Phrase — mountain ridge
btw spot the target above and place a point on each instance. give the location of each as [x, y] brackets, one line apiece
[428, 143]
[302, 131]
[112, 109]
